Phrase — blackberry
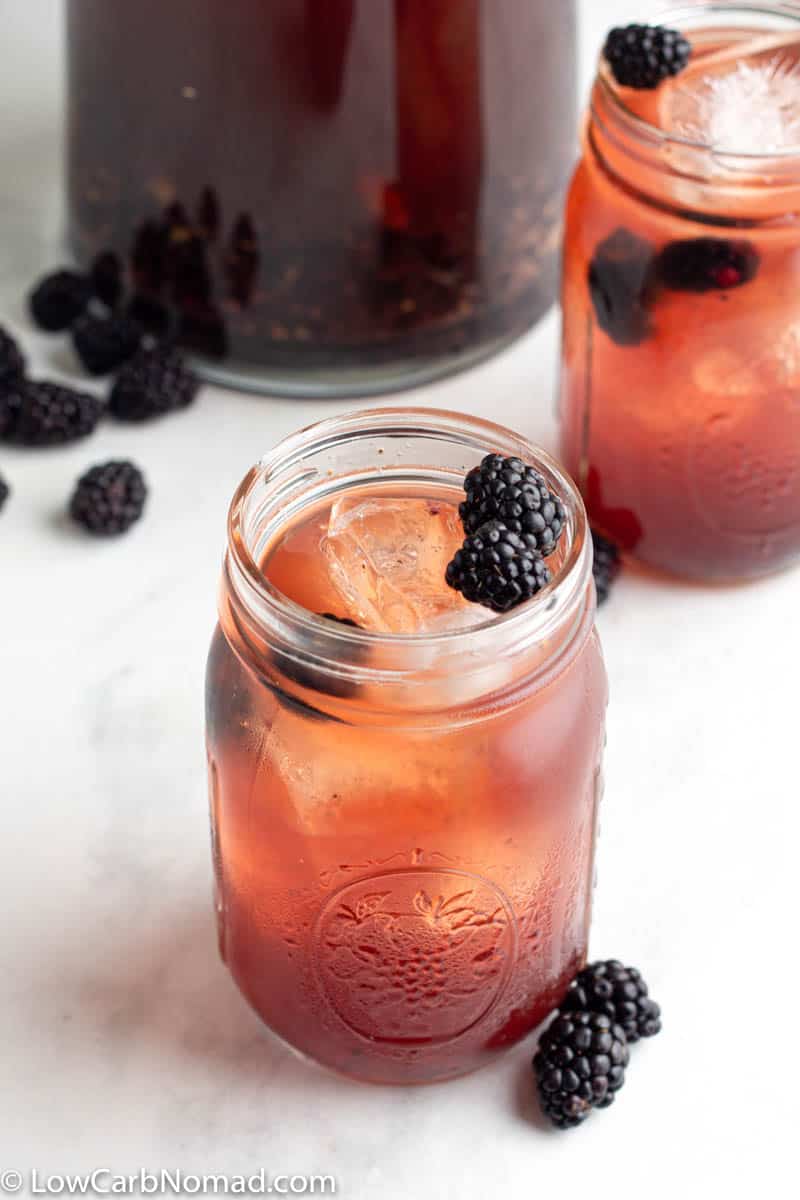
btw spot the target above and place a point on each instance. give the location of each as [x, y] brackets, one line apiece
[155, 382]
[47, 414]
[620, 285]
[59, 299]
[5, 491]
[106, 275]
[606, 565]
[498, 568]
[643, 56]
[12, 361]
[505, 489]
[153, 316]
[707, 264]
[109, 498]
[103, 344]
[619, 993]
[579, 1065]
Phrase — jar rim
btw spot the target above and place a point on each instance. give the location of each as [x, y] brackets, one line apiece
[787, 159]
[341, 648]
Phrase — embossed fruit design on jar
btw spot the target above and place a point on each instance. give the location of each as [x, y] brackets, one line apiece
[404, 784]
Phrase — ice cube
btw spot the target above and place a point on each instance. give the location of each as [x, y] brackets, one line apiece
[741, 107]
[387, 560]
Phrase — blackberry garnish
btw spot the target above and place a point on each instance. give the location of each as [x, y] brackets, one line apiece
[620, 993]
[47, 414]
[59, 299]
[5, 491]
[606, 565]
[620, 284]
[643, 56]
[103, 344]
[498, 568]
[109, 498]
[12, 361]
[106, 276]
[579, 1065]
[505, 489]
[155, 382]
[707, 264]
[153, 316]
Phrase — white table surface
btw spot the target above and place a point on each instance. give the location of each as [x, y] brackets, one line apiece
[124, 1042]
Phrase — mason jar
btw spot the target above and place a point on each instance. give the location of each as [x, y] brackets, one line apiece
[403, 823]
[680, 397]
[324, 196]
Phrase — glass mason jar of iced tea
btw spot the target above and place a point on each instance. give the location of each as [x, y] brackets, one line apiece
[325, 195]
[404, 786]
[680, 401]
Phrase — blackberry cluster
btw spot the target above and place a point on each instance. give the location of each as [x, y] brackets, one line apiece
[619, 993]
[606, 565]
[47, 414]
[707, 264]
[579, 1065]
[12, 361]
[109, 498]
[506, 490]
[581, 1057]
[498, 568]
[153, 316]
[153, 383]
[643, 56]
[59, 299]
[621, 287]
[103, 344]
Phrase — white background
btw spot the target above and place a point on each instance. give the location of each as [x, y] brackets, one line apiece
[123, 1041]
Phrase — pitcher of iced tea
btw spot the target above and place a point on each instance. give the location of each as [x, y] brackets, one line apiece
[680, 402]
[404, 785]
[325, 196]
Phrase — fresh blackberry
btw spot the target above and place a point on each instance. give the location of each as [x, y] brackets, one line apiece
[153, 316]
[12, 361]
[620, 285]
[606, 565]
[498, 568]
[5, 491]
[707, 264]
[103, 344]
[109, 498]
[643, 56]
[47, 414]
[620, 993]
[505, 489]
[59, 299]
[107, 278]
[579, 1065]
[155, 382]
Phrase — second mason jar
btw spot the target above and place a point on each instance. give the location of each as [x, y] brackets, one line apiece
[680, 401]
[403, 823]
[325, 195]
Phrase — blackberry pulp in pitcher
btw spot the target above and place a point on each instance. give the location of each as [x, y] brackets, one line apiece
[326, 195]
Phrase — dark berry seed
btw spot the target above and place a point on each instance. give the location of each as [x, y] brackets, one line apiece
[620, 285]
[109, 498]
[59, 299]
[642, 56]
[707, 264]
